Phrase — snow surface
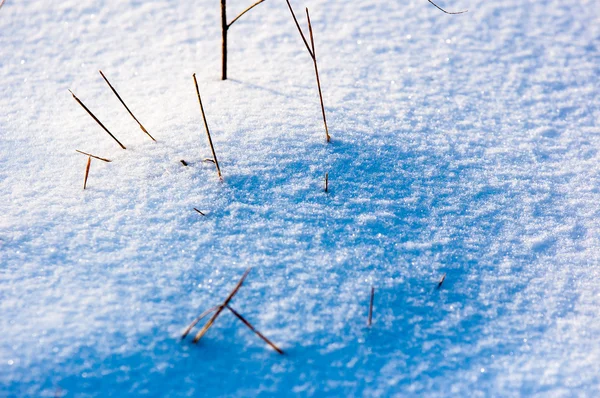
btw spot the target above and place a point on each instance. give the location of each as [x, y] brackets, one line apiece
[465, 145]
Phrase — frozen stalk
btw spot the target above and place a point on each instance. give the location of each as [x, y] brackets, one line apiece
[126, 107]
[447, 12]
[96, 119]
[212, 148]
[371, 306]
[224, 29]
[313, 55]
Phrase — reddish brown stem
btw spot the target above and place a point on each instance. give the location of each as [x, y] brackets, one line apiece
[95, 157]
[212, 148]
[259, 334]
[211, 321]
[87, 171]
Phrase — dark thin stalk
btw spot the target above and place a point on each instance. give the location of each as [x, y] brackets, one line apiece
[212, 148]
[311, 51]
[95, 157]
[87, 171]
[314, 57]
[225, 29]
[126, 107]
[200, 212]
[96, 119]
[198, 319]
[259, 334]
[326, 182]
[211, 321]
[441, 282]
[183, 162]
[371, 306]
[447, 12]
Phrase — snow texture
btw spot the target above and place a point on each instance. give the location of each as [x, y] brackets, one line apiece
[465, 145]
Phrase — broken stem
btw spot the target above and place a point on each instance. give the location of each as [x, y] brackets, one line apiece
[243, 12]
[441, 282]
[87, 171]
[259, 334]
[311, 51]
[198, 319]
[371, 306]
[96, 119]
[447, 12]
[126, 107]
[95, 157]
[212, 148]
[211, 321]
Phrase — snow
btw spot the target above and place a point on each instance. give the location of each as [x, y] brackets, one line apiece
[464, 145]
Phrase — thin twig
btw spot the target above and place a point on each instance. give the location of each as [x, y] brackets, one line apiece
[243, 12]
[198, 319]
[126, 107]
[96, 119]
[326, 182]
[313, 55]
[371, 305]
[441, 282]
[87, 171]
[212, 148]
[183, 162]
[209, 160]
[95, 157]
[259, 334]
[200, 212]
[221, 307]
[447, 12]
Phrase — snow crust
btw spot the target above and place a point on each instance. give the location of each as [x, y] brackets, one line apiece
[464, 145]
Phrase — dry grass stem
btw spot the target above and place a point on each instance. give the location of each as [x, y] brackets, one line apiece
[326, 182]
[447, 12]
[95, 157]
[183, 162]
[313, 55]
[212, 148]
[200, 212]
[96, 119]
[198, 319]
[259, 334]
[126, 107]
[211, 321]
[371, 306]
[225, 29]
[441, 282]
[87, 171]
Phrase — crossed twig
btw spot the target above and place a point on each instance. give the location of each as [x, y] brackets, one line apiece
[217, 311]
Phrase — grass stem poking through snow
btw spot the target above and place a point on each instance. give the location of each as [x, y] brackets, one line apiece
[313, 55]
[441, 282]
[95, 157]
[224, 29]
[198, 319]
[87, 171]
[211, 321]
[212, 148]
[126, 107]
[96, 119]
[183, 162]
[447, 12]
[259, 334]
[200, 212]
[371, 306]
[326, 182]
